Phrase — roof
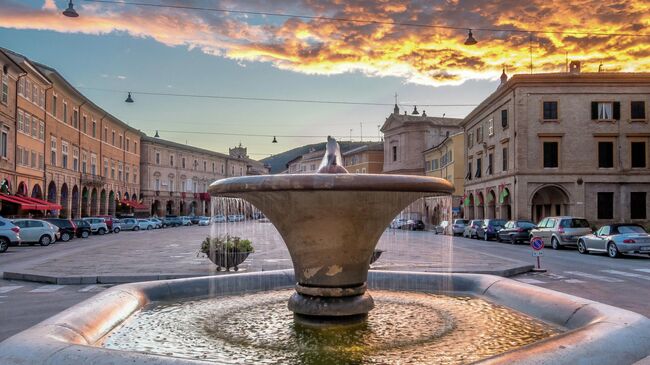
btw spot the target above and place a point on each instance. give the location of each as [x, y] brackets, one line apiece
[372, 146]
[157, 140]
[565, 78]
[417, 119]
[20, 59]
[443, 141]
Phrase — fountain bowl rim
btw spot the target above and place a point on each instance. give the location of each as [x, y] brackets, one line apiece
[428, 185]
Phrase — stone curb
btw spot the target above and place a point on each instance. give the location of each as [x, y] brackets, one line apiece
[53, 278]
[597, 334]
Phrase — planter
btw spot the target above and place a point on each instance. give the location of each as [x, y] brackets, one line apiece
[228, 259]
[375, 255]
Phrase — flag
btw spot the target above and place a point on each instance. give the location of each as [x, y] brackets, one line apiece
[503, 195]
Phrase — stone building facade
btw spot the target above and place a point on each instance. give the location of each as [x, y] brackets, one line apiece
[406, 136]
[10, 72]
[176, 177]
[561, 144]
[447, 161]
[366, 159]
[307, 163]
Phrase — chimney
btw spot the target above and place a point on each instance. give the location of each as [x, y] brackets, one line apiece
[574, 67]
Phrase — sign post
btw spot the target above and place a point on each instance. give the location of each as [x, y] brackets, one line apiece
[537, 244]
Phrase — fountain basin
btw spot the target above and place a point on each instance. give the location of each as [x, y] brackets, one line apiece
[331, 224]
[596, 333]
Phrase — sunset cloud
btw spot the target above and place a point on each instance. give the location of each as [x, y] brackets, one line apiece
[430, 56]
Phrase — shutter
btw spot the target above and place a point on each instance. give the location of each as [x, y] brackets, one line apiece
[617, 110]
[594, 110]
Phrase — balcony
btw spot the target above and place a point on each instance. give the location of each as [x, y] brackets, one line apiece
[93, 180]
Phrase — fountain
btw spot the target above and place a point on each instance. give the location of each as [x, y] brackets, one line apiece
[331, 222]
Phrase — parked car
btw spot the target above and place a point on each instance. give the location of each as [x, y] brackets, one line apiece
[172, 221]
[236, 218]
[441, 228]
[458, 227]
[9, 234]
[470, 229]
[397, 223]
[109, 222]
[157, 223]
[83, 228]
[117, 225]
[37, 231]
[67, 228]
[204, 221]
[413, 225]
[186, 221]
[561, 231]
[515, 231]
[97, 225]
[489, 229]
[129, 224]
[219, 218]
[258, 215]
[145, 224]
[195, 219]
[616, 239]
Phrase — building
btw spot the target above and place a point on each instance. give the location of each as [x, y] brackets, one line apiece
[447, 161]
[307, 163]
[175, 177]
[561, 144]
[252, 167]
[11, 71]
[366, 159]
[406, 136]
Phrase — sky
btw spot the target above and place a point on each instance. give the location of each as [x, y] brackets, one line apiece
[112, 48]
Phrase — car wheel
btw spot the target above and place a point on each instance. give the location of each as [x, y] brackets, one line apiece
[65, 237]
[4, 244]
[582, 248]
[101, 231]
[45, 240]
[513, 240]
[612, 250]
[149, 228]
[555, 244]
[85, 234]
[116, 230]
[136, 228]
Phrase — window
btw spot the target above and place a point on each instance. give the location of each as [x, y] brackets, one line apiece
[479, 134]
[183, 162]
[551, 154]
[5, 89]
[33, 165]
[469, 171]
[490, 124]
[205, 166]
[65, 112]
[135, 175]
[470, 140]
[605, 110]
[550, 110]
[121, 141]
[113, 138]
[504, 156]
[106, 167]
[20, 120]
[93, 164]
[41, 130]
[64, 154]
[637, 110]
[638, 153]
[75, 119]
[75, 158]
[394, 153]
[504, 118]
[112, 169]
[94, 129]
[105, 134]
[637, 205]
[478, 168]
[28, 89]
[54, 100]
[19, 155]
[84, 161]
[156, 185]
[605, 205]
[135, 147]
[222, 169]
[126, 173]
[27, 126]
[128, 145]
[171, 160]
[53, 151]
[196, 165]
[605, 154]
[157, 158]
[41, 161]
[119, 171]
[35, 124]
[213, 168]
[4, 139]
[41, 100]
[489, 167]
[85, 122]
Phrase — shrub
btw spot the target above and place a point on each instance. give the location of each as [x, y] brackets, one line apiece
[226, 243]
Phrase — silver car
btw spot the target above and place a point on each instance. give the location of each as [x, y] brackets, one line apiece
[97, 225]
[470, 229]
[37, 231]
[458, 227]
[561, 231]
[616, 239]
[9, 234]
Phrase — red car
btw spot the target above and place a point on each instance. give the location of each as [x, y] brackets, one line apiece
[109, 221]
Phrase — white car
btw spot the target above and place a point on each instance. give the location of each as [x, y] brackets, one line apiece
[145, 224]
[37, 231]
[204, 221]
[236, 218]
[397, 223]
[186, 221]
[157, 223]
[219, 218]
[97, 225]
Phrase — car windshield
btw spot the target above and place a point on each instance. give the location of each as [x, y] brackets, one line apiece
[574, 223]
[630, 229]
[525, 224]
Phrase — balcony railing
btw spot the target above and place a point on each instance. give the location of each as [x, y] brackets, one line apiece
[95, 180]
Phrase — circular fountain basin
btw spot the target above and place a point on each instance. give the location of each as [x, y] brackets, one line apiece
[331, 224]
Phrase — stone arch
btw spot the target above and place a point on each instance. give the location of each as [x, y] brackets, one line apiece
[480, 205]
[103, 206]
[75, 202]
[169, 207]
[37, 192]
[469, 209]
[111, 203]
[94, 204]
[65, 207]
[5, 186]
[181, 207]
[491, 205]
[85, 201]
[22, 189]
[51, 192]
[549, 200]
[155, 208]
[505, 204]
[194, 208]
[126, 195]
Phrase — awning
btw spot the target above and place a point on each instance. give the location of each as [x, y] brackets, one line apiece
[27, 203]
[133, 204]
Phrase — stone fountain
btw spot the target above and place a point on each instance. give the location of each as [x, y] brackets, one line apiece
[331, 222]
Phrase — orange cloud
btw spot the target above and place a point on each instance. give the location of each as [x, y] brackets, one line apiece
[430, 56]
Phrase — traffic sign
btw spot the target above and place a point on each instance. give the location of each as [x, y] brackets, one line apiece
[537, 243]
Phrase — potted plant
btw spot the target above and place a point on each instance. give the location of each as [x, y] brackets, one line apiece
[227, 251]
